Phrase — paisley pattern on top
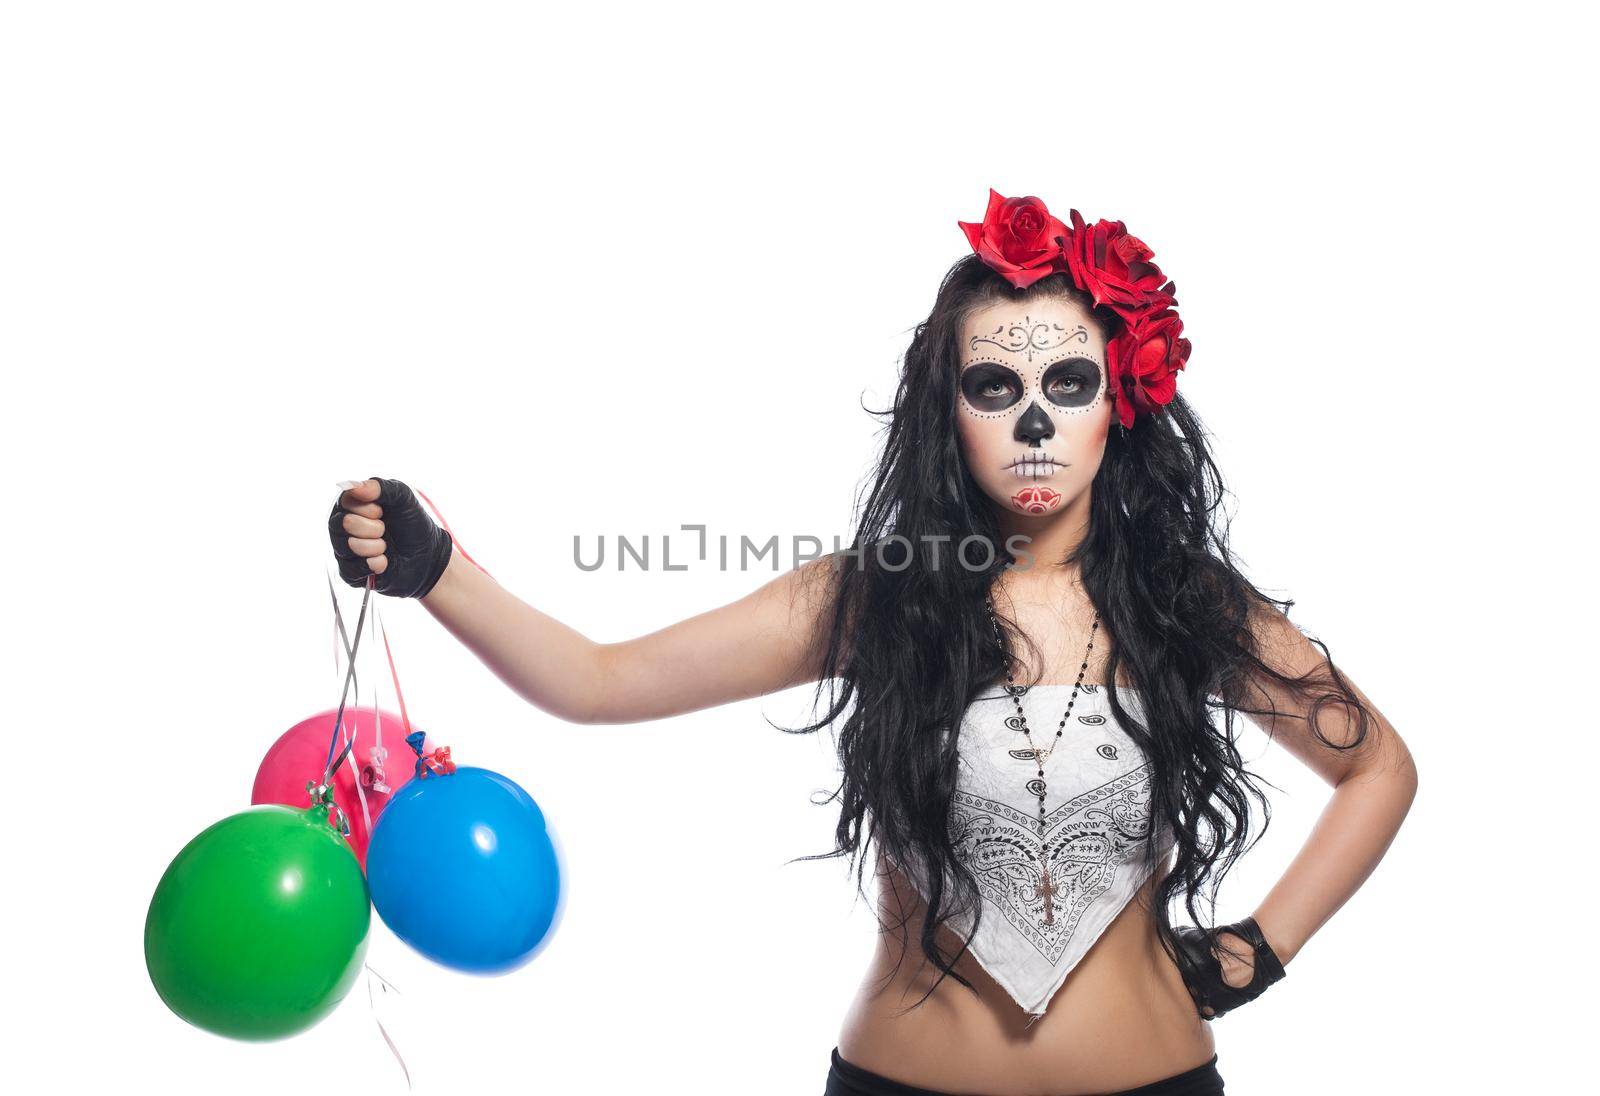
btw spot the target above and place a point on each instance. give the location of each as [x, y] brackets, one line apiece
[1089, 842]
[1097, 815]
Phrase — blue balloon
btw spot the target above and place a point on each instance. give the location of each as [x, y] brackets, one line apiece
[463, 868]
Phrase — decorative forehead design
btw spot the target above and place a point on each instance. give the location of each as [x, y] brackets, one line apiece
[1028, 337]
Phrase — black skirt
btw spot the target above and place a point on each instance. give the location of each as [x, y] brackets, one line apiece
[848, 1079]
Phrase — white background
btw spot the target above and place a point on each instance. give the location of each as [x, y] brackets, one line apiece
[615, 271]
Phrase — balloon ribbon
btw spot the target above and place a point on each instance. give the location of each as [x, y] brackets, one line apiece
[436, 760]
[338, 722]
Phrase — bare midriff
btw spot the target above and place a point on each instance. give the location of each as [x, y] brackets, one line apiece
[1122, 1018]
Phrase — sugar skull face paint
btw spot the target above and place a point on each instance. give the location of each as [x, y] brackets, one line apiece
[1036, 500]
[1033, 407]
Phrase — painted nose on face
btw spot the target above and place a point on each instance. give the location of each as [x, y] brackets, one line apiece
[1034, 426]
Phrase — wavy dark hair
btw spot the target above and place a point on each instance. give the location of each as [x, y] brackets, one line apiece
[909, 644]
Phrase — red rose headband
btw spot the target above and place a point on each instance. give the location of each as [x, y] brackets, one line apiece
[1021, 241]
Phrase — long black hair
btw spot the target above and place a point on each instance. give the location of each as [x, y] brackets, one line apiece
[909, 642]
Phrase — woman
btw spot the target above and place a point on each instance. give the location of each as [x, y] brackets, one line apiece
[1036, 572]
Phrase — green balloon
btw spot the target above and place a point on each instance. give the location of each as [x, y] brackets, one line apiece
[259, 926]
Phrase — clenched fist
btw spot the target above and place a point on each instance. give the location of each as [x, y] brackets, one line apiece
[379, 528]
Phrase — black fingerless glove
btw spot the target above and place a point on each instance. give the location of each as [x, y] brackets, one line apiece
[1202, 972]
[416, 549]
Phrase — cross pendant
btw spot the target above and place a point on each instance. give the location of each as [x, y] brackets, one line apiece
[1047, 890]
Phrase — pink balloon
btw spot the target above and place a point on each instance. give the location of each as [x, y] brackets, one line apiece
[301, 752]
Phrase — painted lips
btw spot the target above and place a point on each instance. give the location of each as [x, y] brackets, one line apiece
[1034, 466]
[1036, 500]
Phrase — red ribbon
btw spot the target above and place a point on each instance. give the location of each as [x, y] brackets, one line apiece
[394, 675]
[438, 761]
[452, 532]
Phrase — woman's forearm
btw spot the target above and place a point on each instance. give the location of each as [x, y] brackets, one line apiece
[1352, 834]
[548, 664]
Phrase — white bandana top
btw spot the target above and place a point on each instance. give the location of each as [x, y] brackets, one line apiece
[1097, 811]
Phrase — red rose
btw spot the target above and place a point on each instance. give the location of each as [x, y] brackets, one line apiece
[1115, 268]
[1144, 359]
[1018, 238]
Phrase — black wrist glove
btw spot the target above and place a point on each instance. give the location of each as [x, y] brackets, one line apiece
[1202, 973]
[416, 549]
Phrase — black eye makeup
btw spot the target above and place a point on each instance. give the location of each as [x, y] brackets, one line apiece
[1072, 382]
[990, 386]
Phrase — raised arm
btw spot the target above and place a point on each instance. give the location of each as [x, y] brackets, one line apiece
[768, 640]
[765, 641]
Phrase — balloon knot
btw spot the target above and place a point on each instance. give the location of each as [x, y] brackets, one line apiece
[373, 777]
[436, 760]
[439, 761]
[322, 803]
